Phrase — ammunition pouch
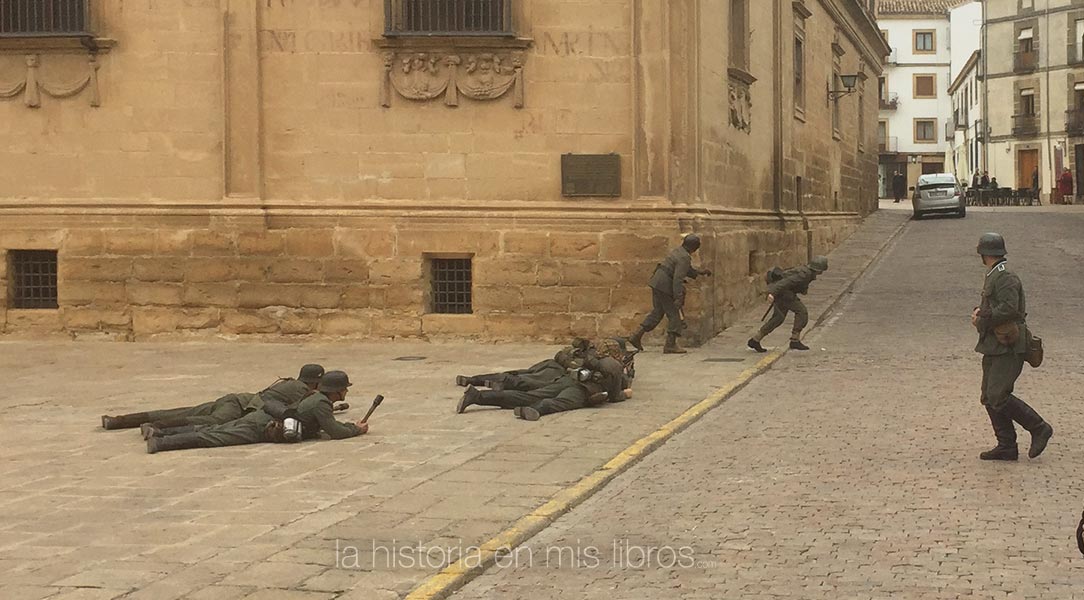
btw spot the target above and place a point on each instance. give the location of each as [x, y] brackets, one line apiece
[276, 408]
[1034, 355]
[287, 431]
[1008, 333]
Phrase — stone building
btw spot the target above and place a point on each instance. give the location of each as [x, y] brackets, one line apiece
[488, 168]
[1034, 91]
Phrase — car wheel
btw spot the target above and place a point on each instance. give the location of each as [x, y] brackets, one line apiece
[918, 215]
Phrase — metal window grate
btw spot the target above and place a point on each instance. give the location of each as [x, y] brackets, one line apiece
[30, 18]
[451, 279]
[448, 17]
[33, 278]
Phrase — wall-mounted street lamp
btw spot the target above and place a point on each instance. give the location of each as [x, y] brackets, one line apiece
[849, 82]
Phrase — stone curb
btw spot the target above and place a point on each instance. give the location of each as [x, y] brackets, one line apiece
[455, 576]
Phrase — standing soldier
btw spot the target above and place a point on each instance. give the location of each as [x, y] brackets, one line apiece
[783, 295]
[668, 295]
[1003, 343]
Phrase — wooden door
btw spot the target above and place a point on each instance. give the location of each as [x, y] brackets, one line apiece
[1027, 161]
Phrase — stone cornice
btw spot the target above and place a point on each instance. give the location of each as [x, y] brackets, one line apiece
[557, 211]
[56, 45]
[860, 29]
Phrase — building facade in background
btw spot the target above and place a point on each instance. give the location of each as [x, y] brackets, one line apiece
[967, 148]
[915, 129]
[493, 168]
[1034, 73]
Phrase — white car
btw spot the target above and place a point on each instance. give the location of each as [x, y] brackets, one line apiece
[938, 193]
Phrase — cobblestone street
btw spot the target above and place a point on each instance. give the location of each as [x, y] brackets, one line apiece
[87, 514]
[851, 472]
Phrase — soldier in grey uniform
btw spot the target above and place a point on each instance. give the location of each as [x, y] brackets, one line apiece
[315, 412]
[783, 294]
[597, 382]
[523, 380]
[222, 410]
[668, 295]
[1003, 342]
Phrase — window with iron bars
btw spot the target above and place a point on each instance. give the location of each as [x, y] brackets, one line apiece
[450, 279]
[44, 18]
[33, 278]
[448, 17]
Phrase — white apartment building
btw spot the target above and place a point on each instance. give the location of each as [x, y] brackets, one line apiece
[915, 131]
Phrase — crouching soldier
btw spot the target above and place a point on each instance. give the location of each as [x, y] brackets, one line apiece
[668, 295]
[598, 381]
[783, 295]
[223, 410]
[314, 414]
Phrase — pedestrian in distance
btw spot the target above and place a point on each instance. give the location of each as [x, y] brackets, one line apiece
[668, 295]
[899, 187]
[783, 291]
[1005, 343]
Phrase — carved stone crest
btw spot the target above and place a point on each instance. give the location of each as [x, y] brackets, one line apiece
[429, 75]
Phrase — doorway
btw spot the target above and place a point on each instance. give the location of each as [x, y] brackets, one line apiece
[1027, 162]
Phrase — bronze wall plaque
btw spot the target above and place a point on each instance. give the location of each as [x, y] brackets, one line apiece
[590, 175]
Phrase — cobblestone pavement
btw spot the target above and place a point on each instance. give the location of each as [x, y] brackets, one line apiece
[851, 472]
[85, 513]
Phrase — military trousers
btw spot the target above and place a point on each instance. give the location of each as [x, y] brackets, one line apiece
[249, 429]
[784, 304]
[999, 375]
[663, 304]
[520, 383]
[225, 409]
[553, 398]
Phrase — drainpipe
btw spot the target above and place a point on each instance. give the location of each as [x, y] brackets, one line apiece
[1049, 138]
[985, 96]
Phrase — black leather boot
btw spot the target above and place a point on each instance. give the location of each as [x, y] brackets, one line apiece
[798, 345]
[1005, 432]
[755, 345]
[129, 421]
[181, 441]
[637, 339]
[672, 346]
[1029, 419]
[470, 397]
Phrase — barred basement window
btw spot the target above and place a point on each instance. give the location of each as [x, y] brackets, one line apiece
[451, 286]
[448, 17]
[44, 18]
[33, 278]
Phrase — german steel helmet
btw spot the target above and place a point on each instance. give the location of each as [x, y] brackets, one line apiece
[311, 373]
[992, 244]
[691, 242]
[819, 264]
[334, 381]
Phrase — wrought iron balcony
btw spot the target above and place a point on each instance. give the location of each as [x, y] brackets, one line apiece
[1026, 62]
[1025, 125]
[892, 102]
[1074, 121]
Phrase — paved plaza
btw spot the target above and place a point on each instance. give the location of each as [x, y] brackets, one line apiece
[845, 472]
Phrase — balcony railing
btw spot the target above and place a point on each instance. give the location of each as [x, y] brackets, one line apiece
[889, 145]
[893, 57]
[448, 18]
[1026, 62]
[44, 18]
[892, 102]
[1025, 125]
[1074, 121]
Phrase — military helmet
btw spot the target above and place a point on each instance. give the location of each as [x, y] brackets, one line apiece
[334, 381]
[819, 264]
[992, 244]
[311, 373]
[691, 242]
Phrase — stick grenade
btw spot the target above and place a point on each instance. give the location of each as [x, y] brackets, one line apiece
[372, 409]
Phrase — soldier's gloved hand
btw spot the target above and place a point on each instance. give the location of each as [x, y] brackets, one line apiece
[363, 426]
[628, 394]
[341, 406]
[771, 299]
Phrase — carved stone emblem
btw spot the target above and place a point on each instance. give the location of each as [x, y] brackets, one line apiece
[424, 76]
[32, 87]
